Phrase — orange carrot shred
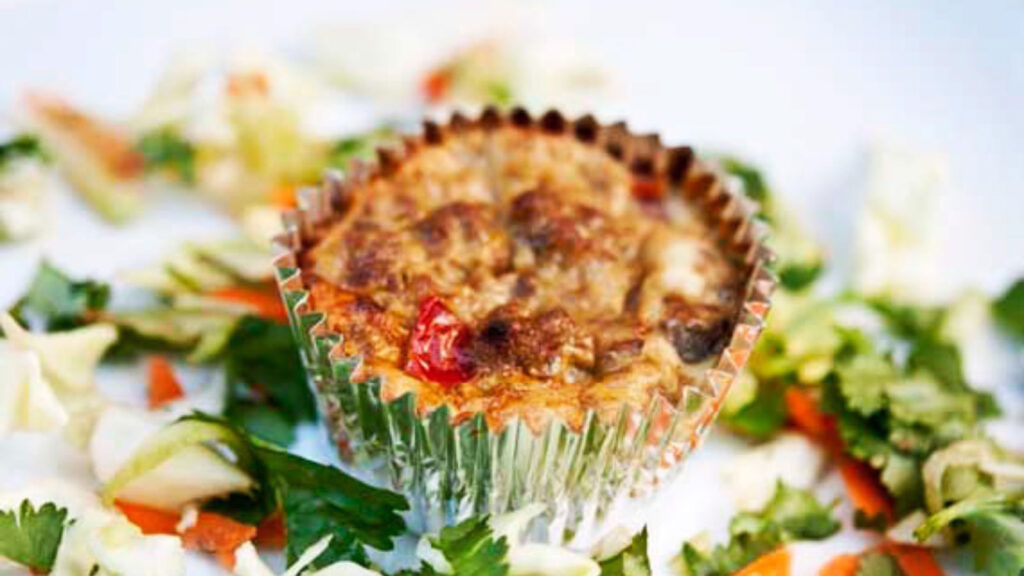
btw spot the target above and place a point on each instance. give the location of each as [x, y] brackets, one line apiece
[283, 196]
[226, 558]
[437, 84]
[265, 302]
[914, 560]
[842, 565]
[149, 520]
[774, 563]
[864, 488]
[803, 412]
[217, 534]
[271, 532]
[163, 384]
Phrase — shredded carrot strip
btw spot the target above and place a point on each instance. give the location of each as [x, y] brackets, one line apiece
[914, 560]
[864, 488]
[283, 196]
[266, 303]
[437, 84]
[803, 412]
[149, 520]
[226, 558]
[217, 534]
[774, 563]
[163, 384]
[842, 565]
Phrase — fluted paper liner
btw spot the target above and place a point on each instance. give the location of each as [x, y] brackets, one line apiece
[450, 471]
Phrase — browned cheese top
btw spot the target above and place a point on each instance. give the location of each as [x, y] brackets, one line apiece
[576, 286]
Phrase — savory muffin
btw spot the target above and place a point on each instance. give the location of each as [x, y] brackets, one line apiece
[530, 269]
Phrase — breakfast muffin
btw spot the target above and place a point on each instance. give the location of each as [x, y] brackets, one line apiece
[515, 276]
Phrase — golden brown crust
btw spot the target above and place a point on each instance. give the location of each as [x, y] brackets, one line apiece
[574, 256]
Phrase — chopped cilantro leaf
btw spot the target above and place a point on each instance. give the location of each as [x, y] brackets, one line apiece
[991, 525]
[166, 150]
[754, 184]
[360, 147]
[470, 548]
[31, 537]
[763, 416]
[1009, 310]
[631, 560]
[317, 500]
[797, 276]
[262, 421]
[790, 515]
[894, 415]
[59, 302]
[263, 365]
[23, 146]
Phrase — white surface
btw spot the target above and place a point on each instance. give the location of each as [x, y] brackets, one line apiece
[800, 87]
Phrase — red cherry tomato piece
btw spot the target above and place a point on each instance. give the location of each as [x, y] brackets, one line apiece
[436, 347]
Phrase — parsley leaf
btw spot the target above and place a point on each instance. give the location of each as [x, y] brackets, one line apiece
[764, 415]
[796, 276]
[262, 421]
[166, 150]
[631, 560]
[31, 537]
[23, 146]
[754, 184]
[317, 500]
[60, 302]
[264, 368]
[894, 415]
[362, 146]
[470, 548]
[320, 500]
[992, 525]
[791, 514]
[800, 260]
[1009, 310]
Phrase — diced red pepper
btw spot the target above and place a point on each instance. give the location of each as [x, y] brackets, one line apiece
[272, 532]
[164, 387]
[437, 345]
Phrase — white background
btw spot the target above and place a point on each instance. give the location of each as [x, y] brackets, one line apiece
[800, 87]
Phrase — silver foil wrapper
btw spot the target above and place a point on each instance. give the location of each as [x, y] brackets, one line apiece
[450, 471]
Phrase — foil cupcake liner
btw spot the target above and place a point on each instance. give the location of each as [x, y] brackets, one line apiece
[451, 470]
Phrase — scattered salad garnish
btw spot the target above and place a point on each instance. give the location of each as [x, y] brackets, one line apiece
[760, 537]
[869, 382]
